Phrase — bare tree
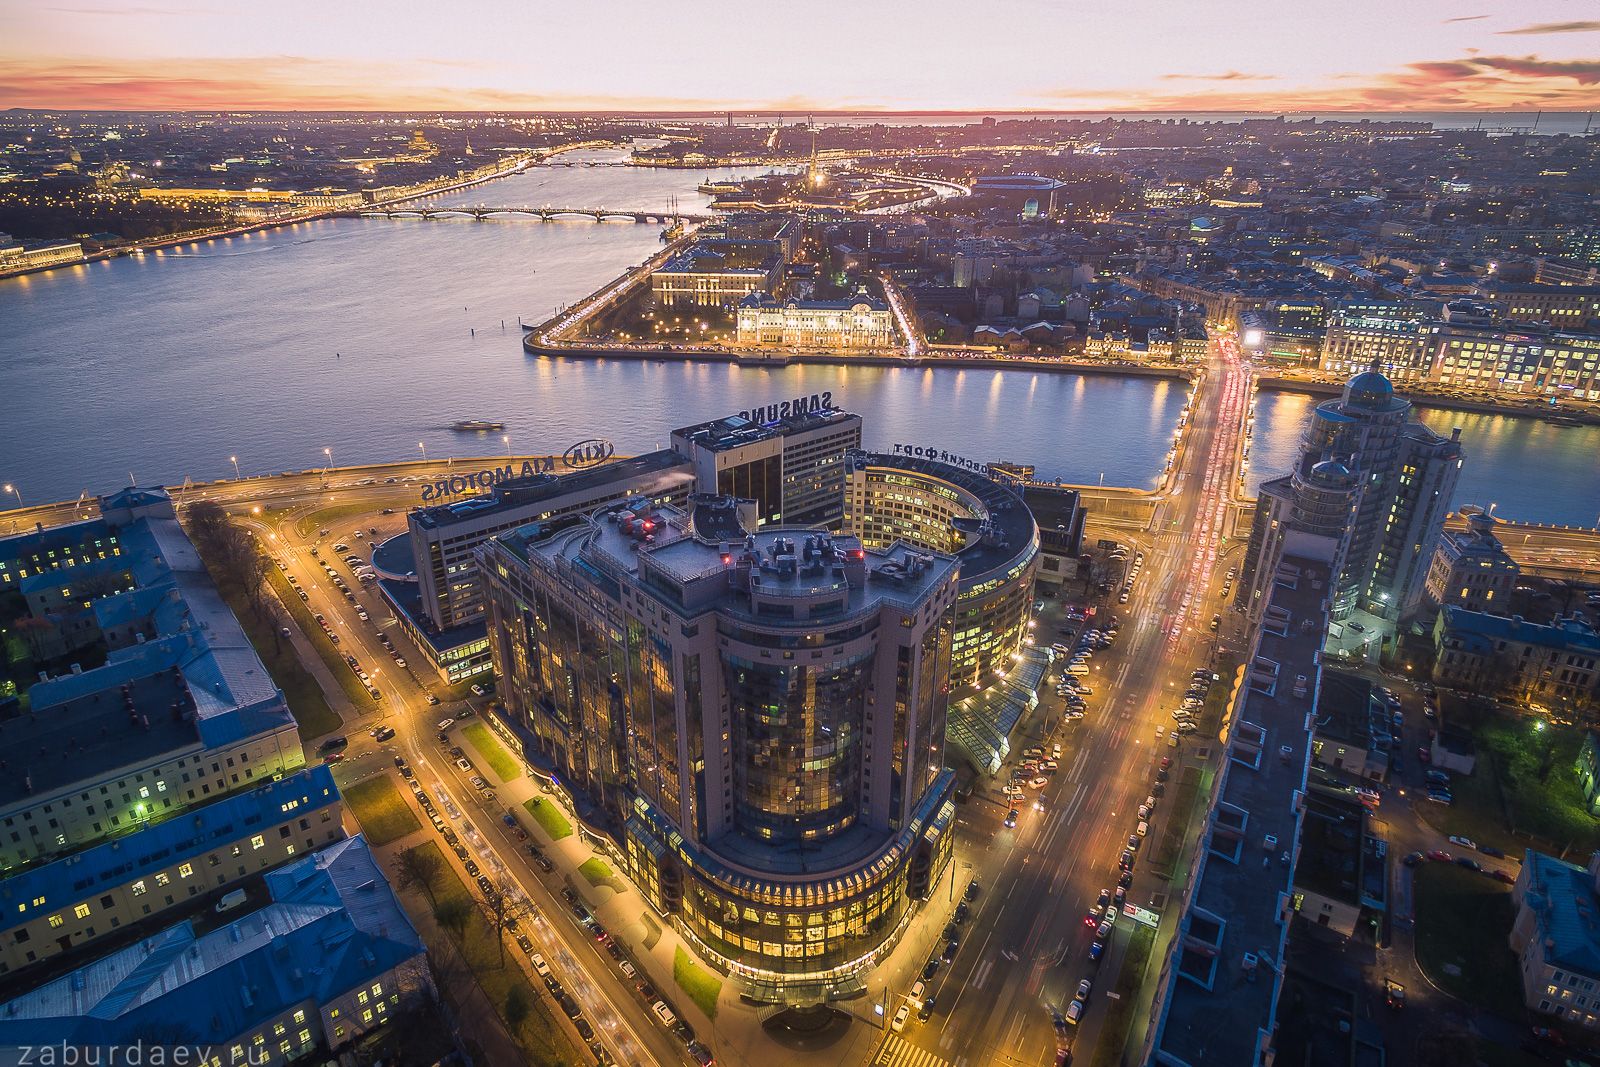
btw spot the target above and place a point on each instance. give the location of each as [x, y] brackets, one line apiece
[417, 869]
[517, 1007]
[207, 520]
[496, 907]
[452, 914]
[36, 634]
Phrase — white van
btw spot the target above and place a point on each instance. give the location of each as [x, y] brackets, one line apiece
[664, 1013]
[1079, 670]
[1144, 828]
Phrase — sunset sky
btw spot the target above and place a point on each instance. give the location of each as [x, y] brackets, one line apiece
[826, 54]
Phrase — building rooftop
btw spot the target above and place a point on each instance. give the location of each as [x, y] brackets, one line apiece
[161, 845]
[199, 682]
[1331, 852]
[1562, 897]
[1219, 989]
[333, 924]
[1571, 633]
[658, 548]
[736, 431]
[1003, 532]
[522, 492]
[1346, 710]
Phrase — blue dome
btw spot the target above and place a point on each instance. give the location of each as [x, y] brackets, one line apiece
[1331, 470]
[1370, 388]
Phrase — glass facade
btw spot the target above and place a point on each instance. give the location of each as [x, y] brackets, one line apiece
[797, 746]
[916, 505]
[773, 751]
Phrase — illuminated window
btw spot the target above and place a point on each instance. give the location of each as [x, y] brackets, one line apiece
[138, 888]
[185, 870]
[55, 921]
[257, 841]
[162, 879]
[81, 911]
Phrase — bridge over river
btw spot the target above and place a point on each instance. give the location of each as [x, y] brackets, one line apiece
[544, 214]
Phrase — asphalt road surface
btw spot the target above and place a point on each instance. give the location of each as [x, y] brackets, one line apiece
[1026, 948]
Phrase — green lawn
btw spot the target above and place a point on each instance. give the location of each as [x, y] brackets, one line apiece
[1119, 1012]
[549, 817]
[596, 870]
[702, 985]
[541, 1038]
[1181, 811]
[1522, 791]
[1463, 920]
[332, 658]
[1208, 723]
[383, 814]
[503, 763]
[307, 701]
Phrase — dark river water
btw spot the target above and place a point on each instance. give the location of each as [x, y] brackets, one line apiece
[370, 336]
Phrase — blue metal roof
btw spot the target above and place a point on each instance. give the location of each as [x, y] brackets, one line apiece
[160, 846]
[334, 924]
[1562, 898]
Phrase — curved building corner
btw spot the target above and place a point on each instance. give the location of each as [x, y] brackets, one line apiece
[983, 521]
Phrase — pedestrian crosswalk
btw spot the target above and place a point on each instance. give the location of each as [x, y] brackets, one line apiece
[898, 1052]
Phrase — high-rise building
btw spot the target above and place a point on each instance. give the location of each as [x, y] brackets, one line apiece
[763, 712]
[790, 461]
[1367, 469]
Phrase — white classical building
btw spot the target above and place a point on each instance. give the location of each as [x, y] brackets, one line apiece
[862, 321]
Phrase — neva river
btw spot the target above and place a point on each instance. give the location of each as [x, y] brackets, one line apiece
[1533, 470]
[368, 336]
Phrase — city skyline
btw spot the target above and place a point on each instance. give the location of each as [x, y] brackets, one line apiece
[1327, 57]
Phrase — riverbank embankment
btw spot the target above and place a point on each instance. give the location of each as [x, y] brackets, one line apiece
[1511, 406]
[516, 165]
[534, 347]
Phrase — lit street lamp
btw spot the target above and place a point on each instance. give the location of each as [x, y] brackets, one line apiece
[506, 440]
[14, 492]
[235, 461]
[424, 451]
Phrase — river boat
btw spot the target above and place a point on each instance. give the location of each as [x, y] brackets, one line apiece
[476, 426]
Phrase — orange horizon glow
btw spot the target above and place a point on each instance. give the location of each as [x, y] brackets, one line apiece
[664, 56]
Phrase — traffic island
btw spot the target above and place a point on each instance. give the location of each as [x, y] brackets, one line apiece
[1121, 1001]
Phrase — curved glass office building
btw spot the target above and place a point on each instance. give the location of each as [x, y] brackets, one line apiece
[760, 710]
[980, 519]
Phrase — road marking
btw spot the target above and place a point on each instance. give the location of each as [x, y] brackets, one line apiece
[983, 974]
[898, 1052]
